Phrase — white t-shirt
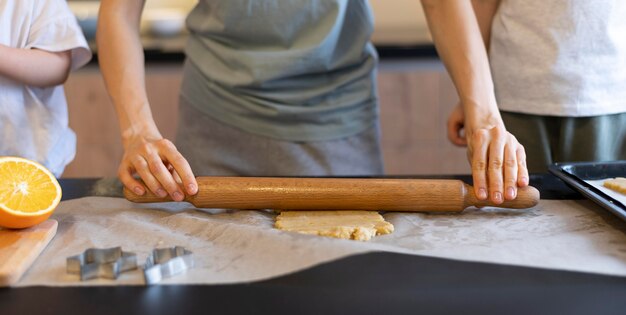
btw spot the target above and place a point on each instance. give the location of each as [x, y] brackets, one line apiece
[560, 57]
[33, 121]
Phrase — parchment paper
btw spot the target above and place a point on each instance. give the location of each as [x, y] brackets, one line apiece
[243, 246]
[599, 184]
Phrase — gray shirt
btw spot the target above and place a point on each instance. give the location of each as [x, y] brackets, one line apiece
[300, 70]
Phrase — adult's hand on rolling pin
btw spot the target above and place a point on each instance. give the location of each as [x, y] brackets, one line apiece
[497, 159]
[159, 164]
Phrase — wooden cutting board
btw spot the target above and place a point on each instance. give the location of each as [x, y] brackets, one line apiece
[20, 248]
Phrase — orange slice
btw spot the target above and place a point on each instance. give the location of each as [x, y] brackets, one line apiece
[29, 193]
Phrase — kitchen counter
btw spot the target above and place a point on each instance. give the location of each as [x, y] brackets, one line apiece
[368, 283]
[171, 49]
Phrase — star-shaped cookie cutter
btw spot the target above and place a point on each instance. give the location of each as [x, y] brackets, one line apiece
[167, 262]
[101, 263]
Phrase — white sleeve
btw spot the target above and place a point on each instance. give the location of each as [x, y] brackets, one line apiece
[55, 29]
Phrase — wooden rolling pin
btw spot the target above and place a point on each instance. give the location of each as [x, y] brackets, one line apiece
[418, 195]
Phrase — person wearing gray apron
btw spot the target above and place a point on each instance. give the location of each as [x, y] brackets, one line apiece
[270, 88]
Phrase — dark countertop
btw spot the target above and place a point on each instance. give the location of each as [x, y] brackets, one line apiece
[373, 283]
[171, 49]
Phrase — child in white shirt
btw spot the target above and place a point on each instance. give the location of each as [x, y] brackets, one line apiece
[40, 43]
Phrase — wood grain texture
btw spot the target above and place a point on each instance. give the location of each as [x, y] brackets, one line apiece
[20, 248]
[414, 195]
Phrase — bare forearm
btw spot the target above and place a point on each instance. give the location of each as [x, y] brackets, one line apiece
[459, 43]
[485, 11]
[34, 67]
[122, 64]
[496, 157]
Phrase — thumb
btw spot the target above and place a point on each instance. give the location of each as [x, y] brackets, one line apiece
[455, 132]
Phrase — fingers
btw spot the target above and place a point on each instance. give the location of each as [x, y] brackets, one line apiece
[142, 168]
[456, 124]
[454, 133]
[480, 145]
[125, 174]
[510, 170]
[522, 169]
[181, 168]
[151, 159]
[165, 178]
[496, 163]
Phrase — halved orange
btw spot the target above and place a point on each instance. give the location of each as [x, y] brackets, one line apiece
[29, 193]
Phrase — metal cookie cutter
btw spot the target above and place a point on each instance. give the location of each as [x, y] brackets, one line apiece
[167, 262]
[101, 263]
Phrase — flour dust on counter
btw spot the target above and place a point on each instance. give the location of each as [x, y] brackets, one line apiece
[240, 246]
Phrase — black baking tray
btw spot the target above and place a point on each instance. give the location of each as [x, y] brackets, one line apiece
[574, 174]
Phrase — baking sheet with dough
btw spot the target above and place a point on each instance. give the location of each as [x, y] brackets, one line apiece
[242, 246]
[599, 184]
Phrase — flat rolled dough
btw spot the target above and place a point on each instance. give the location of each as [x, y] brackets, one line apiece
[356, 225]
[617, 184]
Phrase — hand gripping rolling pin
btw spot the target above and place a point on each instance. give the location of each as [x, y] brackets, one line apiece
[380, 194]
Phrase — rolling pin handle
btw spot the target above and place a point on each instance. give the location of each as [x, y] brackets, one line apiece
[527, 197]
[148, 197]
